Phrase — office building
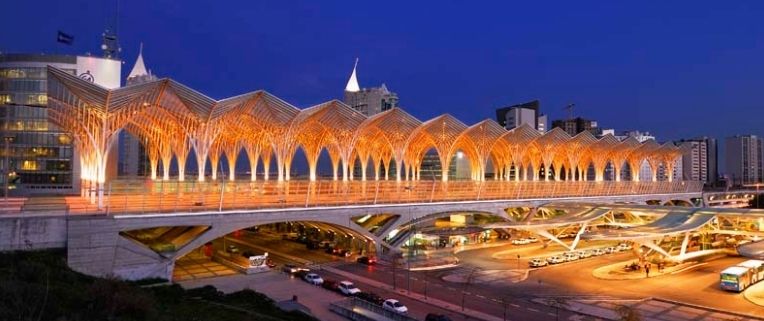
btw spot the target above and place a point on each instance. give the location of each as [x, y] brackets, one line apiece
[699, 158]
[576, 125]
[526, 113]
[743, 158]
[368, 101]
[41, 158]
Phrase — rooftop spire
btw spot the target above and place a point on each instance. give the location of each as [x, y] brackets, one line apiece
[352, 85]
[139, 69]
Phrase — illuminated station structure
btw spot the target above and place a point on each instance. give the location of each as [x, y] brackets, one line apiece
[174, 121]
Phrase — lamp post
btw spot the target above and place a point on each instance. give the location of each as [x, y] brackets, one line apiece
[6, 166]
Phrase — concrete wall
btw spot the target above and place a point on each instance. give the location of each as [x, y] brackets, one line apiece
[32, 232]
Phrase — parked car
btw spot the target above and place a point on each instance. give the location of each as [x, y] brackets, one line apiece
[325, 244]
[520, 241]
[366, 260]
[292, 269]
[611, 249]
[348, 288]
[584, 254]
[537, 262]
[330, 285]
[436, 317]
[555, 259]
[395, 306]
[313, 278]
[571, 256]
[598, 252]
[532, 239]
[232, 249]
[623, 247]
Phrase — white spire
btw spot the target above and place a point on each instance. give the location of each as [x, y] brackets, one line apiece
[352, 85]
[139, 69]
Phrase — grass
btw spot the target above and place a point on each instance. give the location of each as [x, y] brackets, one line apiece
[38, 285]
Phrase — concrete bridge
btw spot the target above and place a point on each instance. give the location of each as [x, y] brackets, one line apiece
[97, 245]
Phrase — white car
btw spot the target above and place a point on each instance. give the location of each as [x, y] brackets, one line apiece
[532, 239]
[571, 256]
[395, 306]
[520, 241]
[537, 262]
[348, 288]
[623, 247]
[598, 252]
[555, 259]
[584, 254]
[313, 278]
[611, 249]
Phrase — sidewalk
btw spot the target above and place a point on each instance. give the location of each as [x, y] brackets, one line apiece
[416, 296]
[615, 271]
[755, 293]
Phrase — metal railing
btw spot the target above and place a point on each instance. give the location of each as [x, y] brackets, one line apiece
[135, 197]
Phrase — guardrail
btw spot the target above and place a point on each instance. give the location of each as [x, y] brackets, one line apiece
[135, 197]
[349, 308]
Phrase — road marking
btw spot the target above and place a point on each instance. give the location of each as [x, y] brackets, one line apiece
[479, 296]
[514, 305]
[534, 310]
[550, 314]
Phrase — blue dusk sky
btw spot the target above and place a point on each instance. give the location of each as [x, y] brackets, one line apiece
[677, 69]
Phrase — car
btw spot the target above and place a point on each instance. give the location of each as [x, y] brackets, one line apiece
[598, 252]
[584, 254]
[555, 259]
[571, 256]
[330, 285]
[343, 253]
[313, 278]
[325, 244]
[623, 247]
[436, 317]
[370, 297]
[348, 288]
[395, 306]
[611, 249]
[292, 269]
[520, 241]
[532, 239]
[563, 236]
[289, 236]
[366, 260]
[232, 249]
[537, 262]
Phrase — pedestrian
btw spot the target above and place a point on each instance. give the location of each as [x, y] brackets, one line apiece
[647, 270]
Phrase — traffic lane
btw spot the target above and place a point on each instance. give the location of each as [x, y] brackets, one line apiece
[699, 285]
[291, 248]
[489, 300]
[417, 309]
[485, 257]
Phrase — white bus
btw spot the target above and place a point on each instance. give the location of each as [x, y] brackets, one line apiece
[738, 278]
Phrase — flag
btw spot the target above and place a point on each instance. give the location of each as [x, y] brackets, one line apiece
[65, 38]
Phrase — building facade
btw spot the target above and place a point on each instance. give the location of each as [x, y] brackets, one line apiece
[743, 159]
[40, 155]
[133, 160]
[576, 125]
[522, 114]
[699, 159]
[368, 101]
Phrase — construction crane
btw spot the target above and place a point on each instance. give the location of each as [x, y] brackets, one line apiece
[569, 108]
